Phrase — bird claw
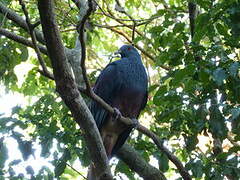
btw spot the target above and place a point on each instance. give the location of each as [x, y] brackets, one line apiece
[135, 123]
[117, 114]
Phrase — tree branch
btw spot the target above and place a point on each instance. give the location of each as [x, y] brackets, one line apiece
[137, 46]
[68, 90]
[82, 42]
[76, 171]
[184, 173]
[34, 41]
[22, 40]
[19, 21]
[192, 10]
[137, 20]
[121, 9]
[135, 162]
[143, 130]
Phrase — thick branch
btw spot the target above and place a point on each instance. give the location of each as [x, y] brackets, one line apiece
[68, 89]
[21, 40]
[135, 162]
[22, 23]
[66, 86]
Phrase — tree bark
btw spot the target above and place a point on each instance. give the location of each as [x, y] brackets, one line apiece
[68, 90]
[135, 162]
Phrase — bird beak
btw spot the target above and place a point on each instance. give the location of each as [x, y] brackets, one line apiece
[118, 52]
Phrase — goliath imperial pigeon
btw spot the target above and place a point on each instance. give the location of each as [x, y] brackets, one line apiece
[123, 84]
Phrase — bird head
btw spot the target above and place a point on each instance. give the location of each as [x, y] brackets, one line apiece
[127, 51]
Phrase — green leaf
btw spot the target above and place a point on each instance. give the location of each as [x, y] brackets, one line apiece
[30, 170]
[235, 113]
[163, 161]
[15, 162]
[46, 146]
[24, 53]
[179, 27]
[191, 142]
[3, 153]
[204, 76]
[159, 94]
[219, 75]
[222, 30]
[197, 169]
[234, 149]
[123, 168]
[24, 146]
[217, 123]
[233, 69]
[59, 169]
[201, 26]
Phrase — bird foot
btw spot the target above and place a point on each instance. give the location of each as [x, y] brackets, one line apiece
[135, 123]
[117, 114]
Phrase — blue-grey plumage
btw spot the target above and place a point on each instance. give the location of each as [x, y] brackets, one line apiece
[122, 84]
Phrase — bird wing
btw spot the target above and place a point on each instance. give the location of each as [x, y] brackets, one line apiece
[125, 134]
[144, 102]
[107, 85]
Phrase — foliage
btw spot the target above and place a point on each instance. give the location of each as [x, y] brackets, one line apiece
[193, 106]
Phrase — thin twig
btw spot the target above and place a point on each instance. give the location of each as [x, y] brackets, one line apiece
[34, 40]
[80, 29]
[12, 15]
[133, 32]
[143, 21]
[130, 17]
[50, 76]
[192, 10]
[3, 20]
[123, 23]
[76, 171]
[138, 47]
[36, 24]
[171, 157]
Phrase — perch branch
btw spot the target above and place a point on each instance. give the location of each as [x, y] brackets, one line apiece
[93, 96]
[143, 130]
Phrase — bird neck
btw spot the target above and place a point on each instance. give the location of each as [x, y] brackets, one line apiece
[135, 58]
